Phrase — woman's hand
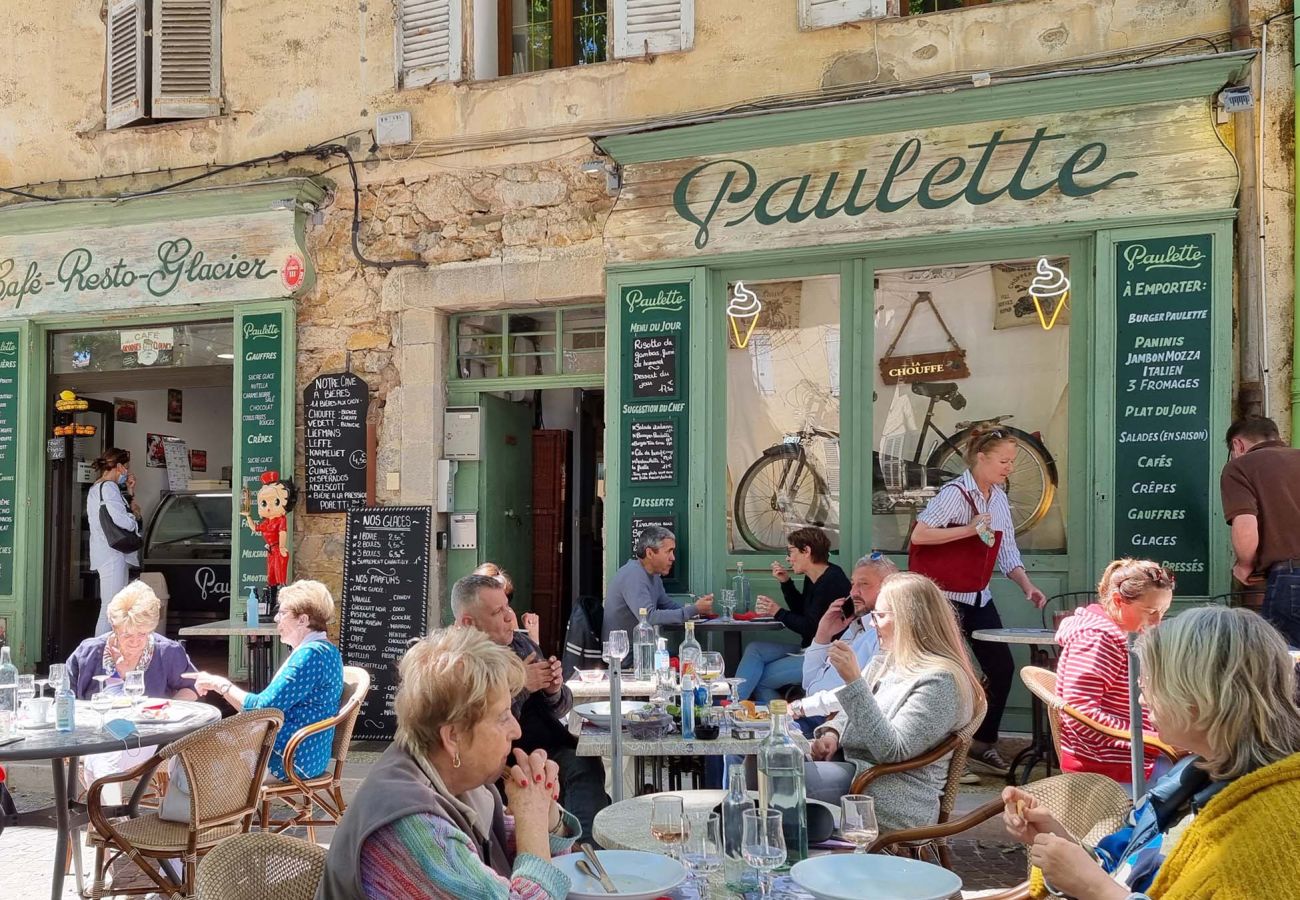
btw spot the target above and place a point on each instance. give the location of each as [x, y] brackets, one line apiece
[205, 681]
[532, 792]
[765, 606]
[844, 661]
[130, 483]
[1072, 870]
[1025, 819]
[1036, 597]
[779, 573]
[825, 747]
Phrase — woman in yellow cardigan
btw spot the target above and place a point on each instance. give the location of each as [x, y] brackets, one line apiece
[1223, 824]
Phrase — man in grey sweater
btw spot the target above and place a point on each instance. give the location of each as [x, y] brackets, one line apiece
[639, 585]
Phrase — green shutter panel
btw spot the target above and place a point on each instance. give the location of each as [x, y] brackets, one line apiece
[186, 59]
[124, 69]
[643, 27]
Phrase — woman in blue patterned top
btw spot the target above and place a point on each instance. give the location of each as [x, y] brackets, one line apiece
[307, 688]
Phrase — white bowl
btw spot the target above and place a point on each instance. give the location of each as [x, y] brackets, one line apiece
[636, 875]
[598, 713]
[844, 876]
[591, 676]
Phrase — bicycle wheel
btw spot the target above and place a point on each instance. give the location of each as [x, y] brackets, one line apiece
[778, 493]
[1032, 484]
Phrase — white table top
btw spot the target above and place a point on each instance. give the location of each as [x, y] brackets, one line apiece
[594, 741]
[599, 690]
[228, 628]
[1038, 636]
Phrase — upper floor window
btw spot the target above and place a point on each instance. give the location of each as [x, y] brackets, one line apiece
[550, 34]
[568, 340]
[162, 61]
[825, 13]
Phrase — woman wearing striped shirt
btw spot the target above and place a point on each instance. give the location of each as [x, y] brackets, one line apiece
[973, 498]
[1092, 675]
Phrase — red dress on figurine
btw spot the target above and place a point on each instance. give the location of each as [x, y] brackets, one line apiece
[277, 564]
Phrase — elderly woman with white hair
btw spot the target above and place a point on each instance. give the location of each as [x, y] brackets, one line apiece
[428, 821]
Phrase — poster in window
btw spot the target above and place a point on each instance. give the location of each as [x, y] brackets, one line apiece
[175, 405]
[124, 410]
[1015, 307]
[198, 460]
[156, 450]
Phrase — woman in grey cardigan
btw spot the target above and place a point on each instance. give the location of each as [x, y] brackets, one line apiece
[918, 690]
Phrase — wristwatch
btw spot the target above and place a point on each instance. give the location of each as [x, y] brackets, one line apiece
[224, 689]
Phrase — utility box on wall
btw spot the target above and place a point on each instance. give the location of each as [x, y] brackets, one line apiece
[461, 438]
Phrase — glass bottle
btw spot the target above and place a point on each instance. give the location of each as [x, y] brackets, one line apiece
[688, 705]
[643, 648]
[8, 693]
[733, 814]
[688, 654]
[740, 584]
[781, 782]
[65, 705]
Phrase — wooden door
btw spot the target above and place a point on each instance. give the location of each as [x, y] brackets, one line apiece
[550, 520]
[505, 520]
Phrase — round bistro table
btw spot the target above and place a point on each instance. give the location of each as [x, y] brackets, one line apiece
[61, 748]
[1040, 746]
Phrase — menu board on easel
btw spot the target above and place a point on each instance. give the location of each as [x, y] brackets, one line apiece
[653, 421]
[178, 464]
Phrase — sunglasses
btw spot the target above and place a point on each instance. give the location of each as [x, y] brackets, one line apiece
[876, 555]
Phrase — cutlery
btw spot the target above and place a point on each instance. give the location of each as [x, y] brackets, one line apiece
[605, 881]
[585, 868]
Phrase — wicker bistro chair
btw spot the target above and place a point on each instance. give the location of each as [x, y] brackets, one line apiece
[958, 744]
[1090, 806]
[224, 764]
[261, 866]
[303, 795]
[1042, 684]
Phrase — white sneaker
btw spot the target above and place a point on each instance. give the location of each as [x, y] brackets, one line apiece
[968, 777]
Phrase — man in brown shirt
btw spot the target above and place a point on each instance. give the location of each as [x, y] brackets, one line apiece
[1261, 501]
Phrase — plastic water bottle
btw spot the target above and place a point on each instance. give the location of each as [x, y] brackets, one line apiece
[662, 659]
[8, 693]
[643, 649]
[688, 706]
[781, 783]
[65, 705]
[251, 610]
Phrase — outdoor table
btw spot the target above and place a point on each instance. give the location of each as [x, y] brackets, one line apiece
[732, 631]
[599, 690]
[261, 645]
[595, 741]
[1040, 745]
[60, 748]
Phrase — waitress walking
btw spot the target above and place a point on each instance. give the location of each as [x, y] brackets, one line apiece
[976, 502]
[112, 556]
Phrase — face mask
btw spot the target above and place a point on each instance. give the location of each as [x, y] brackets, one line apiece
[121, 480]
[121, 728]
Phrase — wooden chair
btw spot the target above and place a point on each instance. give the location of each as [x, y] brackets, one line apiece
[261, 866]
[1068, 602]
[224, 764]
[303, 795]
[1090, 806]
[958, 744]
[1042, 684]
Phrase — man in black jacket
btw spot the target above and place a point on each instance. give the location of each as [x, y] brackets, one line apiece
[479, 601]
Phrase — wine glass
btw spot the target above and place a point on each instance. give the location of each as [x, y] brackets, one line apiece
[711, 667]
[614, 650]
[858, 821]
[55, 678]
[733, 685]
[762, 843]
[101, 703]
[702, 847]
[728, 604]
[668, 823]
[101, 679]
[134, 689]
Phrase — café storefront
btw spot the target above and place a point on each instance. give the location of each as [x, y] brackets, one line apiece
[169, 316]
[810, 308]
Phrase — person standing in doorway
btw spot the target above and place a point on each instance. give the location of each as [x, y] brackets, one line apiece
[113, 490]
[1260, 486]
[973, 500]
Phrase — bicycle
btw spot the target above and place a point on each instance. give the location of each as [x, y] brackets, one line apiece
[784, 489]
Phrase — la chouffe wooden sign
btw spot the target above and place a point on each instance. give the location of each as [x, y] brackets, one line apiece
[1082, 166]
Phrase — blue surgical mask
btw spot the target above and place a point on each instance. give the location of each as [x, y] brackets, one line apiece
[121, 480]
[121, 728]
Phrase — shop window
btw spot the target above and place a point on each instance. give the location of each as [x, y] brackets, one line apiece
[783, 419]
[957, 347]
[163, 60]
[189, 344]
[530, 343]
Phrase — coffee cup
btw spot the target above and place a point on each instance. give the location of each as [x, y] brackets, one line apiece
[36, 710]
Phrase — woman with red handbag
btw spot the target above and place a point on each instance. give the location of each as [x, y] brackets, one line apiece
[961, 534]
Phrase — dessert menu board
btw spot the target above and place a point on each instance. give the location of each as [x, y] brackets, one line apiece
[334, 438]
[259, 345]
[654, 336]
[385, 602]
[1162, 402]
[9, 343]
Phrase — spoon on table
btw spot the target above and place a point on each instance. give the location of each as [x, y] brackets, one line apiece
[605, 881]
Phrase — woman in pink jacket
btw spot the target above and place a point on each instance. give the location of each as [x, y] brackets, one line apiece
[1092, 674]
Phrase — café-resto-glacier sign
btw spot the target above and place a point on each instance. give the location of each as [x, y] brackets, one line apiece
[217, 258]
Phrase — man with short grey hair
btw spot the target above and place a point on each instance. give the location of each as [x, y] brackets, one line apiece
[639, 585]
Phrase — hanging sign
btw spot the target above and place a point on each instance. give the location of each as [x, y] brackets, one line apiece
[148, 344]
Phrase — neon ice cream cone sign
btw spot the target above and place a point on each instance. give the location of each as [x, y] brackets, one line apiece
[742, 313]
[1050, 286]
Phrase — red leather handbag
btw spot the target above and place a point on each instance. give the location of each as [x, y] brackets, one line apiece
[959, 567]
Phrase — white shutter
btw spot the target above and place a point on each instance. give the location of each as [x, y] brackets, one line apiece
[428, 41]
[124, 70]
[824, 13]
[186, 59]
[642, 27]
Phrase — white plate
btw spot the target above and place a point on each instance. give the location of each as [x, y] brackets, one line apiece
[844, 876]
[598, 713]
[636, 875]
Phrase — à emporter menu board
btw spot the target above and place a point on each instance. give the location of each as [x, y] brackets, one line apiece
[334, 442]
[9, 342]
[653, 421]
[1162, 384]
[385, 602]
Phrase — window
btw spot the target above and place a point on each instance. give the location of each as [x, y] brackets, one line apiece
[162, 61]
[825, 13]
[551, 34]
[530, 343]
[144, 347]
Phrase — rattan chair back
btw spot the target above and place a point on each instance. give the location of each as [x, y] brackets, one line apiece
[1042, 684]
[356, 684]
[957, 763]
[260, 866]
[1089, 805]
[225, 763]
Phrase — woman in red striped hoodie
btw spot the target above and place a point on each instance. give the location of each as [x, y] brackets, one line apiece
[1092, 674]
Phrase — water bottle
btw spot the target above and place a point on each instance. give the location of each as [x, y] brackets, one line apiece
[643, 649]
[8, 693]
[733, 817]
[688, 706]
[65, 705]
[740, 584]
[689, 653]
[251, 609]
[781, 783]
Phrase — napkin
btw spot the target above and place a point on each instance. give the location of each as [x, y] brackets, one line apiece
[746, 616]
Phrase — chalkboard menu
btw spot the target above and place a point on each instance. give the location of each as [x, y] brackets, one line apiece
[385, 602]
[1162, 384]
[335, 408]
[653, 342]
[9, 343]
[260, 349]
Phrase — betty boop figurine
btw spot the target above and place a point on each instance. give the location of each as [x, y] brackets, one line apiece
[275, 499]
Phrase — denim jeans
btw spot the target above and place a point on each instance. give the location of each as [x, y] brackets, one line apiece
[1282, 601]
[582, 786]
[767, 667]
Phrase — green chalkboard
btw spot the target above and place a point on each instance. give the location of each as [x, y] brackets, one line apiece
[261, 412]
[652, 419]
[9, 343]
[1162, 402]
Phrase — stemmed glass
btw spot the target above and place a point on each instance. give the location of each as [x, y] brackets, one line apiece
[733, 685]
[99, 689]
[615, 650]
[702, 848]
[101, 703]
[858, 821]
[762, 843]
[668, 823]
[55, 678]
[135, 690]
[728, 602]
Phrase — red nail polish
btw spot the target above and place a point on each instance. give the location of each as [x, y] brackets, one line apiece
[523, 783]
[549, 785]
[537, 778]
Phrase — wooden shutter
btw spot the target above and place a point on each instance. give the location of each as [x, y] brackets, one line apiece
[642, 27]
[124, 70]
[428, 41]
[186, 59]
[824, 13]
